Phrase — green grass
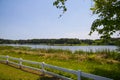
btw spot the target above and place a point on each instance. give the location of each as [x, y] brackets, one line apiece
[100, 63]
[10, 73]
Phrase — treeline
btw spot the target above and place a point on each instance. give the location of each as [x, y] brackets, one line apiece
[64, 41]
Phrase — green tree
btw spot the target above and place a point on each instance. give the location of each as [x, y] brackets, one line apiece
[108, 21]
[108, 12]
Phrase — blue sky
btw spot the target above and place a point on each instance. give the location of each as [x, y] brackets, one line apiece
[28, 19]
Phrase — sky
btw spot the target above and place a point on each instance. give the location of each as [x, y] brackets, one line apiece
[38, 19]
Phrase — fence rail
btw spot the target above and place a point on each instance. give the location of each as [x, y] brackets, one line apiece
[19, 62]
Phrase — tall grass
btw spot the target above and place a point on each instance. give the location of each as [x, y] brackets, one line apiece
[106, 53]
[104, 63]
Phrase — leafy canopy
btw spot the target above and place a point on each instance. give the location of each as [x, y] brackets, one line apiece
[108, 21]
[108, 12]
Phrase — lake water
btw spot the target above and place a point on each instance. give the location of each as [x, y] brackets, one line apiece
[72, 48]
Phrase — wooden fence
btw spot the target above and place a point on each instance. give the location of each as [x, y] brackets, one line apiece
[19, 62]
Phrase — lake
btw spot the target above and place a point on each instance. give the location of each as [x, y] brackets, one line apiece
[72, 48]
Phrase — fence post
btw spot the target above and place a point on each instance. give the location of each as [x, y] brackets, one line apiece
[42, 65]
[7, 59]
[20, 63]
[79, 75]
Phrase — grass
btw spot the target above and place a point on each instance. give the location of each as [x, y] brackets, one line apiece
[10, 73]
[104, 63]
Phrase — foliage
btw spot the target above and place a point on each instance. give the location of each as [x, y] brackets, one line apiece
[60, 4]
[62, 41]
[108, 21]
[108, 12]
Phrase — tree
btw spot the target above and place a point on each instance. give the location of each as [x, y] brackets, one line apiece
[60, 4]
[108, 22]
[108, 12]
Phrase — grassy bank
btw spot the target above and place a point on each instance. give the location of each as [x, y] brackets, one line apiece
[103, 63]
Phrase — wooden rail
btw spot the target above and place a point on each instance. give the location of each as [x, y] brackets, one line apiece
[19, 62]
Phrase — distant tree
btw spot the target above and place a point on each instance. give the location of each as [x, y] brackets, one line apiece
[108, 12]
